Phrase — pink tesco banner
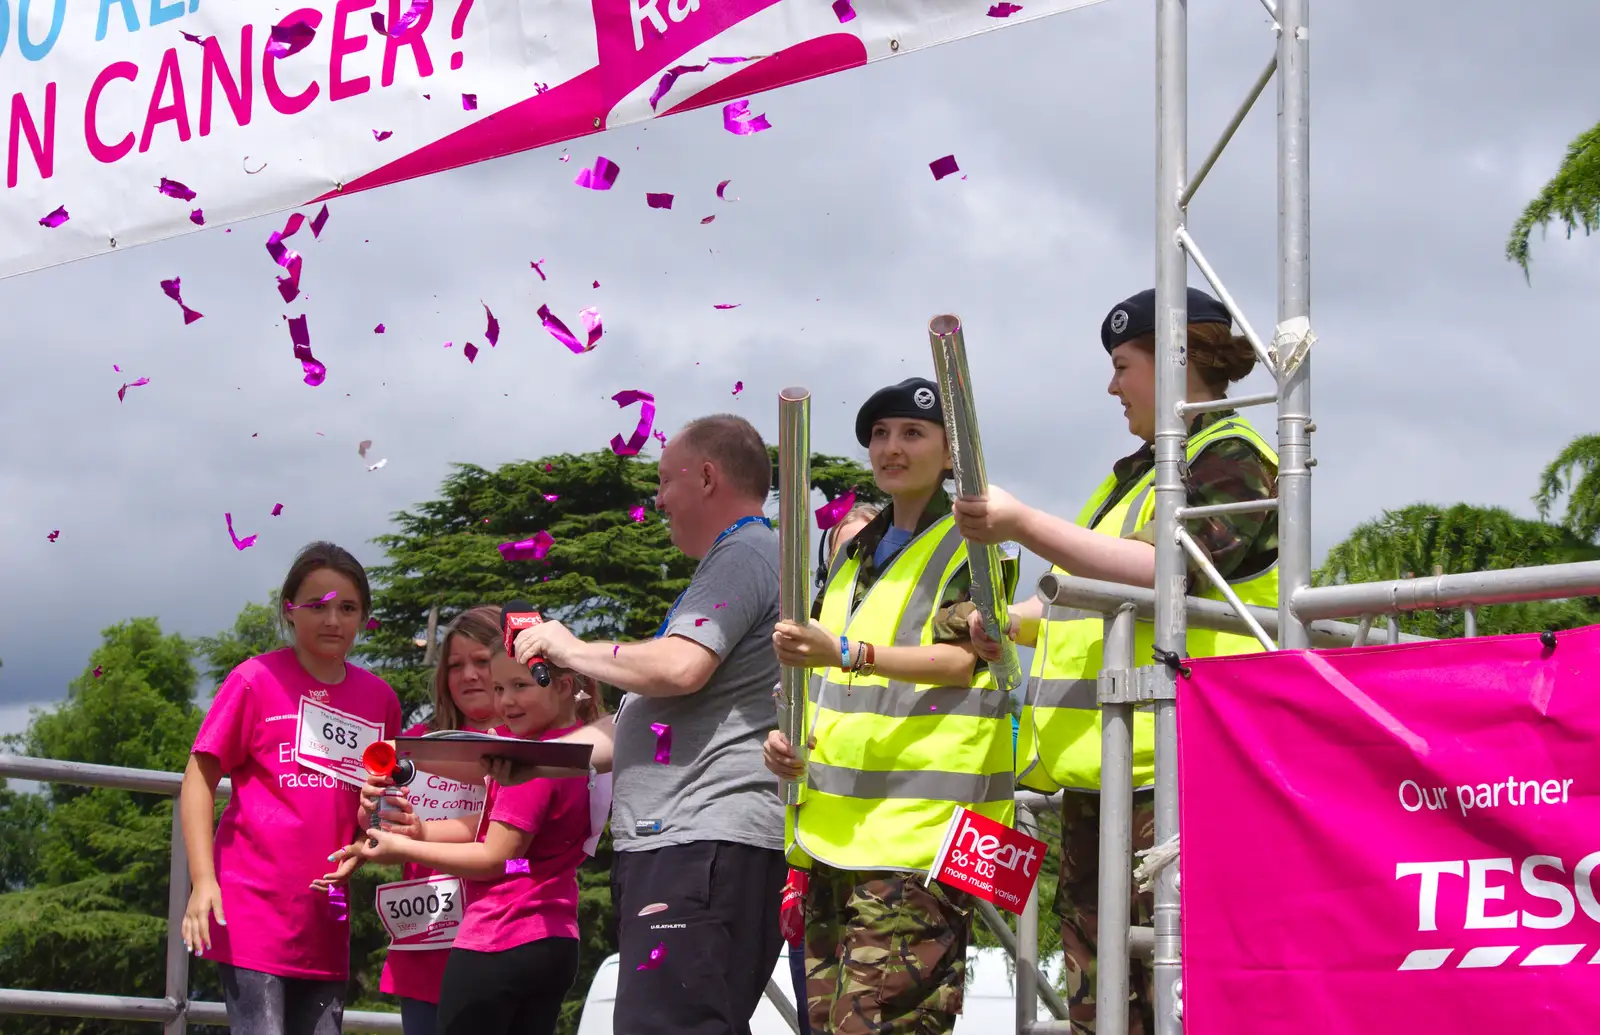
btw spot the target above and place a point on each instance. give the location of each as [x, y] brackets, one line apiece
[254, 108]
[1392, 840]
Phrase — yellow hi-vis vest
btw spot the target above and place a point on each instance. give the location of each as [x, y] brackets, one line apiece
[893, 759]
[1058, 740]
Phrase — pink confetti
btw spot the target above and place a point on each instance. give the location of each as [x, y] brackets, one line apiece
[738, 386]
[470, 351]
[660, 437]
[469, 101]
[727, 305]
[550, 497]
[597, 283]
[198, 217]
[601, 177]
[330, 595]
[289, 39]
[191, 37]
[698, 622]
[706, 220]
[536, 268]
[637, 513]
[516, 866]
[564, 158]
[647, 417]
[671, 75]
[288, 258]
[614, 648]
[277, 508]
[592, 328]
[533, 549]
[53, 536]
[663, 734]
[844, 11]
[238, 544]
[55, 218]
[174, 189]
[943, 167]
[378, 329]
[417, 10]
[315, 372]
[382, 135]
[372, 625]
[1004, 10]
[99, 671]
[736, 119]
[493, 331]
[172, 288]
[320, 221]
[657, 954]
[658, 200]
[723, 186]
[339, 902]
[123, 391]
[833, 512]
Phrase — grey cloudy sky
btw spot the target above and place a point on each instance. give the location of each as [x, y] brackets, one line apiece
[1440, 375]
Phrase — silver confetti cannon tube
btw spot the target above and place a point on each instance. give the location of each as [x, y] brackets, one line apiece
[794, 550]
[966, 458]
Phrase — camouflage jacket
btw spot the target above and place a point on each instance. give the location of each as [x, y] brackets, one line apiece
[1227, 471]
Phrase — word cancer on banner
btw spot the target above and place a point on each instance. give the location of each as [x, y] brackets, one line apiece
[1392, 839]
[259, 109]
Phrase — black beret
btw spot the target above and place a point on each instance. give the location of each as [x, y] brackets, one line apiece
[1136, 317]
[915, 397]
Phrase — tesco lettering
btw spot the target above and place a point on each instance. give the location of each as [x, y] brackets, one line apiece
[1551, 899]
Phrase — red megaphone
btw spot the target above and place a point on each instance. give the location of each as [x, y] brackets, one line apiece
[380, 760]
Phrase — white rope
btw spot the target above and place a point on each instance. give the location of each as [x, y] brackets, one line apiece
[1155, 859]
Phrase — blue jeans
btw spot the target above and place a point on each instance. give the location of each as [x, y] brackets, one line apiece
[419, 1017]
[797, 971]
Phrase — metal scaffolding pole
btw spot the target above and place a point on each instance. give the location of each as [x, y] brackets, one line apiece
[1116, 693]
[1172, 317]
[1294, 316]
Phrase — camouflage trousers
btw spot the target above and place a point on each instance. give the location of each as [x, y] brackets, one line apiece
[884, 955]
[1078, 905]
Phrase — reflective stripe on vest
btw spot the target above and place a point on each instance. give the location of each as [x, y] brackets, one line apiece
[1058, 743]
[893, 758]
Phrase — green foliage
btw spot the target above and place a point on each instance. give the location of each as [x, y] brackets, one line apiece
[1575, 475]
[607, 575]
[1416, 540]
[255, 631]
[1572, 196]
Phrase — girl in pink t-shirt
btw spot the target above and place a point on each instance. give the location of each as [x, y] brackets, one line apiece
[463, 698]
[516, 952]
[288, 727]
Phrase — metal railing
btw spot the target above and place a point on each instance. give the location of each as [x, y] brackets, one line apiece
[174, 1010]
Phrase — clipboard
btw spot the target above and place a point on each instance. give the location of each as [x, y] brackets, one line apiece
[457, 747]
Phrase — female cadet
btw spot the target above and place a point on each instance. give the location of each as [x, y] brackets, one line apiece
[1111, 540]
[905, 726]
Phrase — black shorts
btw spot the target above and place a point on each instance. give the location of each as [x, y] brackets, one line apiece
[697, 931]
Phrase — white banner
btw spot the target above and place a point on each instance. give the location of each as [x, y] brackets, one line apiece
[130, 121]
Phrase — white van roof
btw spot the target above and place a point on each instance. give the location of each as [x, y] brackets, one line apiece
[990, 1004]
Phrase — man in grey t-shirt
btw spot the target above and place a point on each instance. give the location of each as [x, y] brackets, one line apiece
[696, 819]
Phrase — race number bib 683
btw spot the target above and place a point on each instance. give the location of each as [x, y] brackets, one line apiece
[331, 741]
[421, 914]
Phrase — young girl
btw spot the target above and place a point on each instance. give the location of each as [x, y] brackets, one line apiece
[463, 699]
[516, 953]
[288, 727]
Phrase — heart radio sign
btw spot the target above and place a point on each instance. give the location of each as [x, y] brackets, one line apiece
[989, 860]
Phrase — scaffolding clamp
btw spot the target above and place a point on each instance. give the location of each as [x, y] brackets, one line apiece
[1117, 686]
[1291, 344]
[1150, 683]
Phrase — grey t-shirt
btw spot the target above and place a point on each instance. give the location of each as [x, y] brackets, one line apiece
[715, 787]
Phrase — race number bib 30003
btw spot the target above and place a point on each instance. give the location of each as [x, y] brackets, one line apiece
[330, 741]
[421, 914]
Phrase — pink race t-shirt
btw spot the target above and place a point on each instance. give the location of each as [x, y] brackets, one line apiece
[538, 896]
[415, 973]
[283, 819]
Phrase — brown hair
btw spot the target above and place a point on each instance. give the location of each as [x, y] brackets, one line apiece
[315, 557]
[1218, 355]
[735, 446]
[480, 625]
[594, 705]
[859, 512]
